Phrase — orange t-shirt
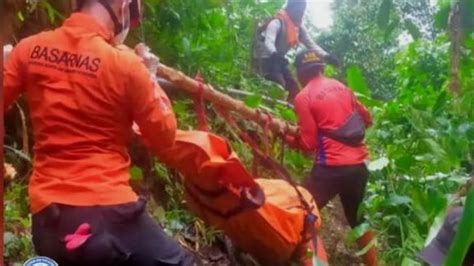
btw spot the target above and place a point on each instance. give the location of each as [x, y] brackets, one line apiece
[327, 103]
[83, 95]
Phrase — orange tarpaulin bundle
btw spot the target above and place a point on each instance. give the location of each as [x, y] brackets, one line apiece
[262, 217]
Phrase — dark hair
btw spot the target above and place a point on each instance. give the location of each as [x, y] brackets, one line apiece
[306, 74]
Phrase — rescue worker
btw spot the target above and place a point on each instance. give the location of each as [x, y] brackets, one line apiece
[274, 39]
[83, 94]
[332, 122]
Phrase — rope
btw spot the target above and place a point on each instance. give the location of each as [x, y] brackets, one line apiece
[199, 103]
[266, 131]
[282, 173]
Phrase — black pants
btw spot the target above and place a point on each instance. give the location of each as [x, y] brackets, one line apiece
[123, 235]
[349, 182]
[278, 71]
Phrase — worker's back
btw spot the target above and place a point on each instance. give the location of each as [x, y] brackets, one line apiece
[83, 95]
[330, 104]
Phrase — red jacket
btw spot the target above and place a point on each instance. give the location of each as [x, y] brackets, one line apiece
[83, 95]
[327, 103]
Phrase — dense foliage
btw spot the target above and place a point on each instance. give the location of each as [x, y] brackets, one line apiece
[422, 142]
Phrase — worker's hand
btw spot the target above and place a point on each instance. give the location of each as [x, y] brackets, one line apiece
[293, 141]
[278, 59]
[332, 60]
[150, 60]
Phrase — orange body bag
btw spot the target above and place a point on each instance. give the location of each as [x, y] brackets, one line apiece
[262, 217]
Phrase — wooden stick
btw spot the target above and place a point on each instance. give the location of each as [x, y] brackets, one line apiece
[184, 82]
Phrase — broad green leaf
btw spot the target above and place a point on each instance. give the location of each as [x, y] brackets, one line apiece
[356, 81]
[434, 229]
[412, 29]
[253, 101]
[409, 262]
[466, 8]
[435, 148]
[405, 162]
[136, 173]
[383, 16]
[465, 234]
[330, 71]
[288, 114]
[378, 164]
[441, 17]
[357, 232]
[440, 103]
[396, 200]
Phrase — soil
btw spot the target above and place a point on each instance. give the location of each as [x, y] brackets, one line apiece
[334, 231]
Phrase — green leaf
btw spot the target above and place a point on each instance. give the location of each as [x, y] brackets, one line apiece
[435, 148]
[136, 173]
[288, 114]
[378, 164]
[356, 81]
[357, 232]
[383, 16]
[20, 16]
[441, 17]
[389, 30]
[397, 200]
[330, 71]
[253, 101]
[412, 29]
[434, 229]
[409, 262]
[405, 162]
[440, 103]
[465, 234]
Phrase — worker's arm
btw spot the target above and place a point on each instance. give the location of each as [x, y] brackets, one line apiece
[363, 112]
[306, 122]
[309, 44]
[271, 34]
[14, 74]
[151, 109]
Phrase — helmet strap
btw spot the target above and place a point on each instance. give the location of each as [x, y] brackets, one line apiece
[118, 28]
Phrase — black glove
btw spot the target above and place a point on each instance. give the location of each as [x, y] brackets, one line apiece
[332, 60]
[279, 59]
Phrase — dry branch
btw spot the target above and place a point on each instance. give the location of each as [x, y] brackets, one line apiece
[190, 85]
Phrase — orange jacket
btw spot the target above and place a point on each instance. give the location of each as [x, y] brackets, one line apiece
[327, 103]
[83, 95]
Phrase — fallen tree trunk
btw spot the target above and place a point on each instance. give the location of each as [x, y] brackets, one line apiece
[180, 80]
